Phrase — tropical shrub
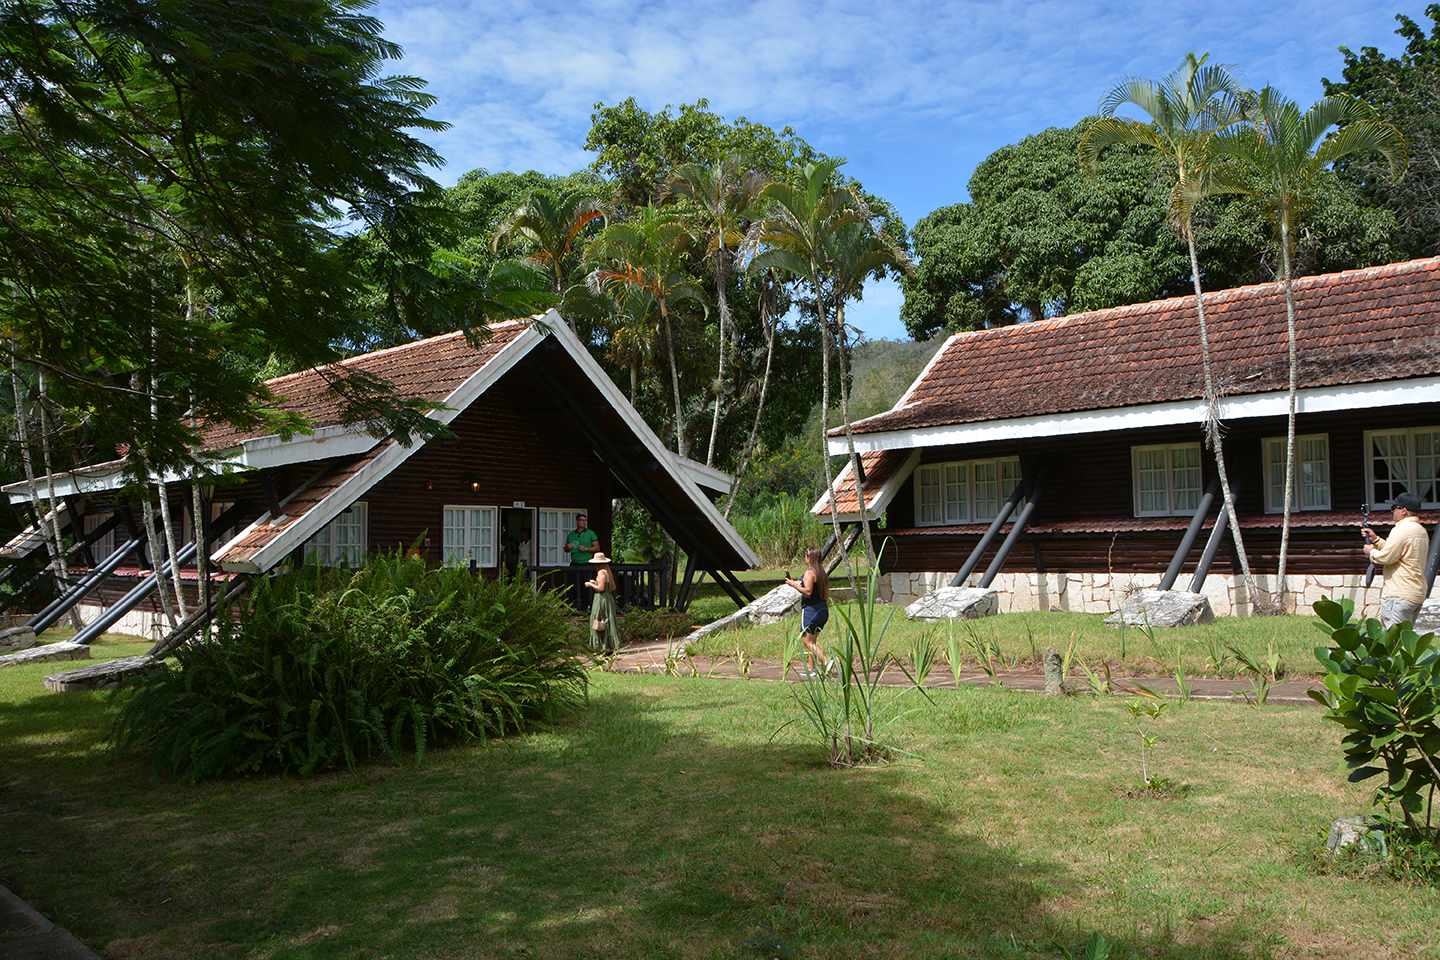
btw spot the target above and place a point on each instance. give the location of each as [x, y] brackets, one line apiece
[1383, 686]
[321, 668]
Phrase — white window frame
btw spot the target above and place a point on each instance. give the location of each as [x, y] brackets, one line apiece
[1312, 473]
[552, 525]
[104, 546]
[1180, 500]
[468, 532]
[344, 540]
[1421, 469]
[963, 491]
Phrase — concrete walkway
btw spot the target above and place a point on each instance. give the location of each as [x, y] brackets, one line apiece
[26, 935]
[650, 658]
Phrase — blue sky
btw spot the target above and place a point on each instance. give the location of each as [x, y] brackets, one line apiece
[913, 95]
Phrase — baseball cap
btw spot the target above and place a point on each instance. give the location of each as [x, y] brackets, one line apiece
[1407, 500]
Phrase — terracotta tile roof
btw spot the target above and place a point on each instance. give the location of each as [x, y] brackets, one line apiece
[262, 533]
[1380, 323]
[426, 370]
[878, 467]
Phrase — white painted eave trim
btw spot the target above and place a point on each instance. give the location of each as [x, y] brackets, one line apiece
[708, 477]
[874, 505]
[387, 460]
[668, 461]
[1380, 395]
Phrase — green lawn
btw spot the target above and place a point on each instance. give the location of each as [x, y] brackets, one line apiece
[1022, 637]
[691, 818]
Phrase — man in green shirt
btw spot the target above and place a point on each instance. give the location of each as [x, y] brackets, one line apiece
[582, 541]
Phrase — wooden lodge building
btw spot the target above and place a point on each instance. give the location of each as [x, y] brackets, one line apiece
[1086, 433]
[540, 434]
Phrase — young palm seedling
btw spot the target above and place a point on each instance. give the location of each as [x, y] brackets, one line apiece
[1144, 712]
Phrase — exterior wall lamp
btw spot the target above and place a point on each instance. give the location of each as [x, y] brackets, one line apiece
[474, 482]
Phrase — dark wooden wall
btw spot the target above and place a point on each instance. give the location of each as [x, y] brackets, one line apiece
[520, 448]
[1094, 484]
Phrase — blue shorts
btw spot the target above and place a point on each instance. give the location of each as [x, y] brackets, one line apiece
[813, 619]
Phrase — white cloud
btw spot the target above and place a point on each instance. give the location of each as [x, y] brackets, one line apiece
[914, 93]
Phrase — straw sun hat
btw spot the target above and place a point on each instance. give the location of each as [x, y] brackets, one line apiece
[599, 557]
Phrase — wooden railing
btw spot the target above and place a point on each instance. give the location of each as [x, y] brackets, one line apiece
[640, 586]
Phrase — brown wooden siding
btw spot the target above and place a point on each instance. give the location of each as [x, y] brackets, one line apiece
[1095, 484]
[520, 448]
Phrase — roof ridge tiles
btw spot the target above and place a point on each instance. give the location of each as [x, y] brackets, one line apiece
[384, 351]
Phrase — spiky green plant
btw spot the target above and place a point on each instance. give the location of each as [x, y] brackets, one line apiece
[324, 668]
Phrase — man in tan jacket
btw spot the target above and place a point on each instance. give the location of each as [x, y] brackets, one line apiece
[1403, 555]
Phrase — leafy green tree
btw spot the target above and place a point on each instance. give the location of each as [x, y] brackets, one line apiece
[1406, 91]
[182, 180]
[819, 231]
[638, 151]
[719, 199]
[649, 255]
[1186, 110]
[1040, 239]
[1277, 158]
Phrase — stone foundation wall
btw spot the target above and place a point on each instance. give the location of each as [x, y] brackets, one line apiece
[141, 623]
[1103, 592]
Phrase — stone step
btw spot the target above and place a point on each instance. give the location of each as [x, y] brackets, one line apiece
[102, 676]
[64, 650]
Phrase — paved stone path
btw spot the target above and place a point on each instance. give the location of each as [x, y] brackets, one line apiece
[650, 658]
[26, 935]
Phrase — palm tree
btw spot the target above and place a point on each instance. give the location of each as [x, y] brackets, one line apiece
[857, 251]
[550, 228]
[649, 254]
[1277, 158]
[1187, 110]
[721, 198]
[808, 225]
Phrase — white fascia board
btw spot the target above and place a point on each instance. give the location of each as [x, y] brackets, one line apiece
[339, 440]
[705, 476]
[1380, 395]
[82, 483]
[379, 468]
[641, 430]
[874, 506]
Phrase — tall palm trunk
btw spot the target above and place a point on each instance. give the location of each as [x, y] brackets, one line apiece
[840, 352]
[825, 429]
[64, 563]
[769, 329]
[1212, 426]
[1290, 416]
[720, 369]
[680, 445]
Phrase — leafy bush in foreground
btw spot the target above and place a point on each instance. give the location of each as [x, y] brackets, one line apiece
[1383, 686]
[330, 667]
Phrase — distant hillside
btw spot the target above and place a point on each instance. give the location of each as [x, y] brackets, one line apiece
[884, 370]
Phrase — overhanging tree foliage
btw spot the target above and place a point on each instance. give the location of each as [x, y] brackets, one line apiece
[182, 180]
[1406, 91]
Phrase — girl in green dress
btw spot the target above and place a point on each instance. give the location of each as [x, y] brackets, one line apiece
[604, 615]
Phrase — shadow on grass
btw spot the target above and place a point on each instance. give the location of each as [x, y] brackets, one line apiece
[642, 828]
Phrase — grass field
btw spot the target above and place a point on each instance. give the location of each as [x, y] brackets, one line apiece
[691, 818]
[1022, 637]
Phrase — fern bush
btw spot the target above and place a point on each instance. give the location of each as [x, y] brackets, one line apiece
[323, 668]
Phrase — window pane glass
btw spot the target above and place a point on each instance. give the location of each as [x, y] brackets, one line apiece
[1390, 465]
[986, 489]
[1427, 466]
[957, 493]
[1184, 478]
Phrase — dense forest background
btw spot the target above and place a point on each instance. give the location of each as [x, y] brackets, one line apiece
[194, 198]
